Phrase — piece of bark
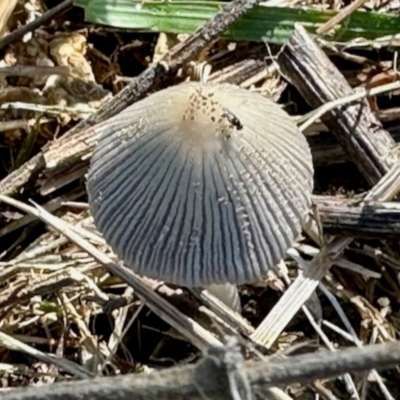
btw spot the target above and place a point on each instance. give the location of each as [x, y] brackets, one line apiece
[373, 220]
[238, 72]
[221, 374]
[355, 127]
[151, 78]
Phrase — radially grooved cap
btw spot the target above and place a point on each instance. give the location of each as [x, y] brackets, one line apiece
[201, 184]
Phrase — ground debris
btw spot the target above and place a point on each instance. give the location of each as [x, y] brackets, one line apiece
[64, 315]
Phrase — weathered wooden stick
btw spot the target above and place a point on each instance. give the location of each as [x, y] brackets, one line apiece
[355, 127]
[209, 379]
[372, 220]
[327, 151]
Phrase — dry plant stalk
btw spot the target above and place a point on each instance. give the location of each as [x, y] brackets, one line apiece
[340, 16]
[373, 220]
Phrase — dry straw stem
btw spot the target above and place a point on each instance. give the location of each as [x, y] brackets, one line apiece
[361, 135]
[352, 336]
[11, 343]
[232, 318]
[34, 70]
[340, 16]
[51, 206]
[46, 17]
[178, 56]
[21, 124]
[315, 115]
[212, 377]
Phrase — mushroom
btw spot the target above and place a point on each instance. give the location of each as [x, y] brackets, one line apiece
[201, 184]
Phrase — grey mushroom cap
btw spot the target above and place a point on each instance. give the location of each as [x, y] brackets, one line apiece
[201, 184]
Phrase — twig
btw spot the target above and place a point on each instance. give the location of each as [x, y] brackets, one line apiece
[314, 115]
[377, 220]
[51, 206]
[150, 78]
[34, 70]
[357, 341]
[47, 16]
[351, 387]
[386, 115]
[21, 124]
[13, 344]
[223, 311]
[341, 261]
[79, 109]
[209, 379]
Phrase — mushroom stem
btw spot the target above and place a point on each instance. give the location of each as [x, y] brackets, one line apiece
[228, 294]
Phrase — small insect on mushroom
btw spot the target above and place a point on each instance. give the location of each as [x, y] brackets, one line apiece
[178, 202]
[232, 118]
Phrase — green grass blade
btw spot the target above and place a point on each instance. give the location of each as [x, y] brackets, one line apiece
[272, 23]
